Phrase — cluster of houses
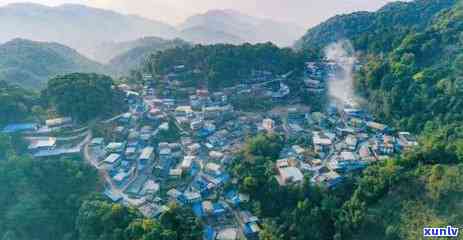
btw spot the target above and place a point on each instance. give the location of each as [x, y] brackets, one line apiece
[166, 150]
[342, 141]
[192, 169]
[44, 138]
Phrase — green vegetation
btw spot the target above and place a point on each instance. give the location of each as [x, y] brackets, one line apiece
[377, 31]
[222, 65]
[102, 220]
[55, 199]
[84, 96]
[393, 199]
[30, 64]
[133, 54]
[16, 103]
[40, 199]
[419, 80]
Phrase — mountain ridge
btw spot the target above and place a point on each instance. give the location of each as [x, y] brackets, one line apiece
[31, 63]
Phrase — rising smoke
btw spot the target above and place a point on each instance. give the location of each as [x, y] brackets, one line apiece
[341, 55]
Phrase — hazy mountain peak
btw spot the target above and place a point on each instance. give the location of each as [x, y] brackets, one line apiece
[238, 26]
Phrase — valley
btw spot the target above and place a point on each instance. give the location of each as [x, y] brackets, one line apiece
[352, 133]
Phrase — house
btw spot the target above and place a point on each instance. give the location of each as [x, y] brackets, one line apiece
[175, 173]
[235, 198]
[196, 125]
[20, 127]
[190, 197]
[146, 156]
[194, 148]
[351, 142]
[406, 140]
[187, 162]
[348, 113]
[42, 144]
[346, 161]
[113, 159]
[365, 153]
[321, 142]
[213, 168]
[268, 124]
[184, 111]
[97, 142]
[377, 127]
[58, 122]
[251, 228]
[326, 177]
[298, 150]
[289, 175]
[131, 153]
[230, 233]
[150, 187]
[208, 207]
[112, 196]
[122, 176]
[115, 147]
[216, 155]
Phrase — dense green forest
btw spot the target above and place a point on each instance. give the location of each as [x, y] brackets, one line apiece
[40, 199]
[30, 64]
[378, 31]
[420, 80]
[223, 65]
[16, 103]
[84, 96]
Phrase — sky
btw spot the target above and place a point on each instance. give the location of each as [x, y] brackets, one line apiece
[303, 12]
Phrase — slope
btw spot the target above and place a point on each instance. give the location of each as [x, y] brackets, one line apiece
[30, 64]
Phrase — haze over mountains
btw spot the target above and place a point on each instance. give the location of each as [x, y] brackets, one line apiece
[87, 29]
[231, 26]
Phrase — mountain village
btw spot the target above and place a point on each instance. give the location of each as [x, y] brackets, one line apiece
[167, 150]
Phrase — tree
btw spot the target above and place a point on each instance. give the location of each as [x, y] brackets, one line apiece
[85, 96]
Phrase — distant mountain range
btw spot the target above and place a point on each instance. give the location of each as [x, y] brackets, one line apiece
[234, 27]
[30, 64]
[80, 27]
[88, 30]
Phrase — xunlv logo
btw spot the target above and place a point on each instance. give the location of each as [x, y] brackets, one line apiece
[440, 232]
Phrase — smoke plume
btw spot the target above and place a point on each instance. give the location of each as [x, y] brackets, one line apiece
[341, 55]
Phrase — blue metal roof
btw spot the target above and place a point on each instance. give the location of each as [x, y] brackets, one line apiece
[198, 210]
[19, 127]
[209, 233]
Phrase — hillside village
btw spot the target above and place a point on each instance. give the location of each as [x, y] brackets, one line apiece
[172, 150]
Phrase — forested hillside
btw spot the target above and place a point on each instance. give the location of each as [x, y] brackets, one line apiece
[16, 103]
[30, 64]
[84, 97]
[420, 80]
[414, 82]
[375, 31]
[222, 65]
[133, 54]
